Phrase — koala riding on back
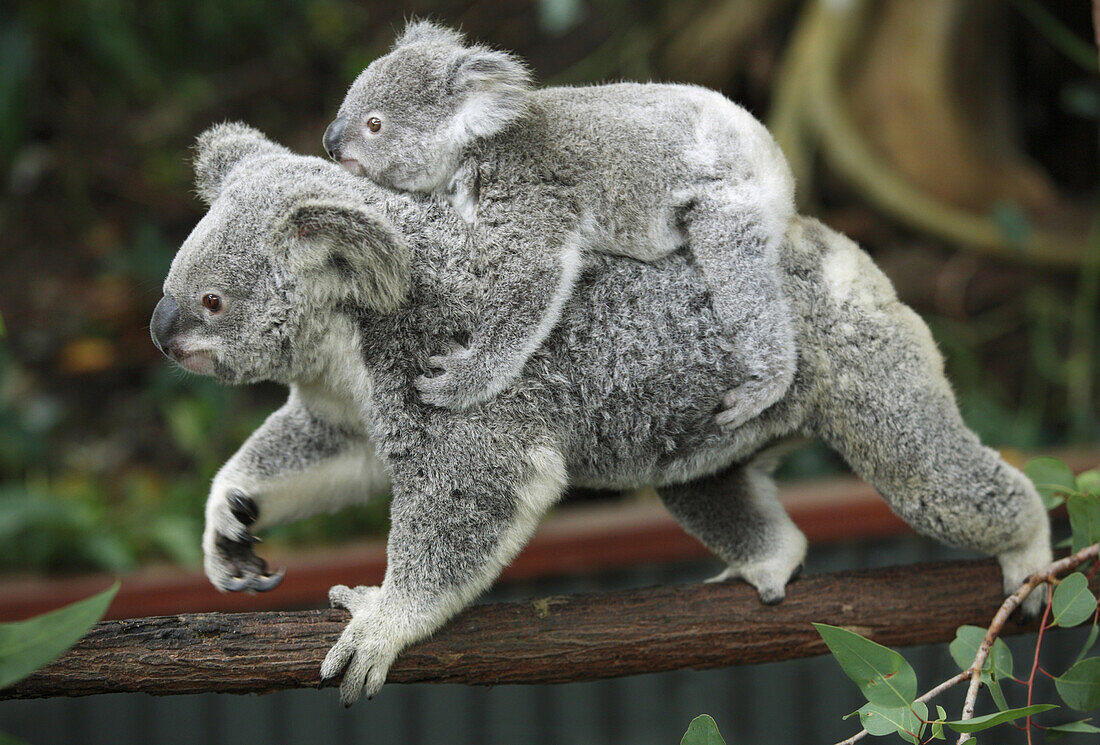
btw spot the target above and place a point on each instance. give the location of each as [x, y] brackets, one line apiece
[303, 274]
[542, 176]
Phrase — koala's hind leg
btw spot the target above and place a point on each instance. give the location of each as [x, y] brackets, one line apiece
[735, 514]
[890, 412]
[735, 243]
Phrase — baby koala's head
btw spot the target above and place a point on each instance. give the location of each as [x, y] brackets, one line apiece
[408, 117]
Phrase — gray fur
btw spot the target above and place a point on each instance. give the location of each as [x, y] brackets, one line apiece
[621, 394]
[545, 176]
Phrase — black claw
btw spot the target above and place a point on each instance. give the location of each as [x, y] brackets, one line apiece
[243, 507]
[249, 538]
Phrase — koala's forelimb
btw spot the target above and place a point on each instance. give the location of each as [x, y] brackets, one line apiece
[533, 273]
[296, 464]
[735, 242]
[449, 540]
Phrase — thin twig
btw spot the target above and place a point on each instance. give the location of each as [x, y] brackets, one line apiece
[1011, 603]
[1035, 660]
[954, 680]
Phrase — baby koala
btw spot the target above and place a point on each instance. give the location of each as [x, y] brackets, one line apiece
[543, 175]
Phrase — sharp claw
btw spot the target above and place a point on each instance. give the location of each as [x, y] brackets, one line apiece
[269, 581]
[249, 538]
[236, 584]
[243, 507]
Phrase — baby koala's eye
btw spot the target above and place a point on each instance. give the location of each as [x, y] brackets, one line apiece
[212, 302]
[374, 124]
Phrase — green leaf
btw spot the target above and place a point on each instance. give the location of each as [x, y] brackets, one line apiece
[27, 645]
[1073, 602]
[1061, 730]
[1089, 641]
[702, 731]
[1089, 482]
[964, 649]
[1084, 519]
[1079, 687]
[995, 691]
[1053, 479]
[937, 726]
[977, 724]
[886, 720]
[881, 673]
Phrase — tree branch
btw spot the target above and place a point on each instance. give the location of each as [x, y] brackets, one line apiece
[1011, 603]
[547, 640]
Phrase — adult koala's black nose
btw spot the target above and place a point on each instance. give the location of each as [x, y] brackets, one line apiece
[331, 140]
[162, 327]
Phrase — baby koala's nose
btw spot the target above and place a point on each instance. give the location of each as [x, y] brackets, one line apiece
[332, 137]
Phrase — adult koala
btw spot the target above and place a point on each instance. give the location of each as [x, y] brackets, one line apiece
[304, 274]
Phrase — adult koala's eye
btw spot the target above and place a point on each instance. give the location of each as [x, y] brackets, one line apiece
[374, 124]
[212, 302]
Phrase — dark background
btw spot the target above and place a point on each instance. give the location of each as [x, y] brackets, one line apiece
[956, 119]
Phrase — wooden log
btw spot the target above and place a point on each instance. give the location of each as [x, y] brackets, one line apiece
[544, 640]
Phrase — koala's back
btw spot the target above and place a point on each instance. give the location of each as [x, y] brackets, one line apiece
[632, 156]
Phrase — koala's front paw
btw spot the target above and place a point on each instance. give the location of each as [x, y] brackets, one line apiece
[229, 560]
[463, 382]
[364, 651]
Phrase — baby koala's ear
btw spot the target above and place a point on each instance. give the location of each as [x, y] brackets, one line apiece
[347, 252]
[494, 89]
[219, 149]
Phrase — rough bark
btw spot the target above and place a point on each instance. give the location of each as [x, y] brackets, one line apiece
[544, 640]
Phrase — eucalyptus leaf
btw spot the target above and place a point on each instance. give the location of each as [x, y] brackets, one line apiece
[977, 724]
[1079, 686]
[1084, 520]
[1061, 730]
[1089, 482]
[964, 648]
[1073, 602]
[995, 692]
[703, 730]
[937, 726]
[1090, 640]
[886, 720]
[883, 675]
[1053, 479]
[27, 645]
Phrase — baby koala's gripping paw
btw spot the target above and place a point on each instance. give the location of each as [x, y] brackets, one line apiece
[229, 561]
[364, 651]
[748, 400]
[464, 381]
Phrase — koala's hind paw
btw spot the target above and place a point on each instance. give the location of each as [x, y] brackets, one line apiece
[463, 381]
[364, 653]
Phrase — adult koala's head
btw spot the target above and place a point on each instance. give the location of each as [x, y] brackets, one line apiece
[287, 241]
[407, 118]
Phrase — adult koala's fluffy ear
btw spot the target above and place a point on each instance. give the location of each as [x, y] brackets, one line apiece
[427, 32]
[494, 89]
[346, 251]
[219, 149]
